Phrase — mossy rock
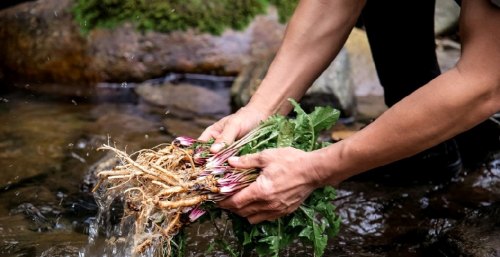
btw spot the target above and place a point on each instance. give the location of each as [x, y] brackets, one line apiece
[212, 16]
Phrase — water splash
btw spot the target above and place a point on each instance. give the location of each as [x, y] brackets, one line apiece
[107, 237]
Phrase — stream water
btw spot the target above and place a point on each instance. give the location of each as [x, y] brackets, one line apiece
[48, 147]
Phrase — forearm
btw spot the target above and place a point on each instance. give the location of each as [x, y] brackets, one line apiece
[442, 109]
[448, 105]
[314, 36]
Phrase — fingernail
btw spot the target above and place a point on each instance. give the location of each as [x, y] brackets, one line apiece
[217, 147]
[233, 159]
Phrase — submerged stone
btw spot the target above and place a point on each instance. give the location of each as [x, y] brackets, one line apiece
[184, 98]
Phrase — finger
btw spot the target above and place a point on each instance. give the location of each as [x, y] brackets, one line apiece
[241, 199]
[212, 131]
[263, 216]
[248, 161]
[252, 209]
[207, 135]
[226, 137]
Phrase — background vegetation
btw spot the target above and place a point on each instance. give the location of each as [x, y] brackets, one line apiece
[211, 16]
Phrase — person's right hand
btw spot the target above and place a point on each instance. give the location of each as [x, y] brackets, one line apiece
[232, 127]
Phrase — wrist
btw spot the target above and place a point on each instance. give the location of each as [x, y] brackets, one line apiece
[272, 99]
[318, 174]
[328, 168]
[261, 105]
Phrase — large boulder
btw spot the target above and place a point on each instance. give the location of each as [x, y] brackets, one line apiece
[43, 43]
[446, 16]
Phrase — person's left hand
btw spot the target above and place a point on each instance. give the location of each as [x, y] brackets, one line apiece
[286, 180]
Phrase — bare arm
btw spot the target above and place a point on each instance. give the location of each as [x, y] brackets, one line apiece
[452, 103]
[314, 36]
[448, 105]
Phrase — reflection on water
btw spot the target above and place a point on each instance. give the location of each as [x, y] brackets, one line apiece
[48, 146]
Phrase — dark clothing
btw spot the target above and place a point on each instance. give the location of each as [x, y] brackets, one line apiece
[401, 36]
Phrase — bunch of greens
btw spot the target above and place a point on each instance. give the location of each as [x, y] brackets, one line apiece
[315, 220]
[169, 186]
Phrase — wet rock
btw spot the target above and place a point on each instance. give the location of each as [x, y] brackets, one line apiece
[108, 162]
[187, 127]
[476, 236]
[125, 54]
[184, 98]
[334, 87]
[62, 250]
[33, 213]
[17, 240]
[45, 45]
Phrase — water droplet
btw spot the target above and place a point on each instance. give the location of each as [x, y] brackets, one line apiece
[74, 102]
[81, 145]
[60, 194]
[424, 202]
[123, 85]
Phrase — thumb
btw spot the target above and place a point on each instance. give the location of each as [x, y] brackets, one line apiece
[248, 161]
[242, 198]
[225, 138]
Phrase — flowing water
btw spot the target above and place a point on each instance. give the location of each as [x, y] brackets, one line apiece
[48, 153]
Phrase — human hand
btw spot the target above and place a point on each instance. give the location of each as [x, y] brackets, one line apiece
[232, 127]
[286, 180]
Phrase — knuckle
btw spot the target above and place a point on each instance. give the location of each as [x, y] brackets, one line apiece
[282, 212]
[237, 205]
[275, 206]
[218, 137]
[266, 190]
[243, 159]
[261, 157]
[239, 212]
[272, 218]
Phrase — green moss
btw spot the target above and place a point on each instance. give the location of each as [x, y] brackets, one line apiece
[211, 16]
[285, 8]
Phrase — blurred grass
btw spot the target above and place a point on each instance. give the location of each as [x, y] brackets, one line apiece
[212, 16]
